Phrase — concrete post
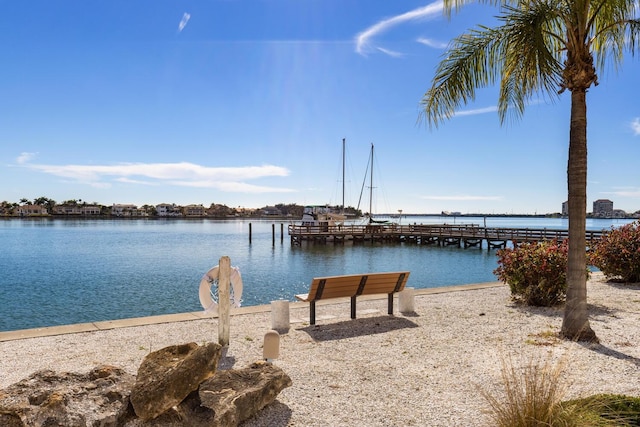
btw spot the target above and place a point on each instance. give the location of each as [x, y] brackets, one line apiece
[280, 316]
[406, 300]
[224, 300]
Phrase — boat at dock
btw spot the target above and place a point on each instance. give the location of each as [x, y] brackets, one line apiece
[369, 175]
[322, 217]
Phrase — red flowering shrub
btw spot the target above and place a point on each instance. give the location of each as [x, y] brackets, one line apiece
[536, 272]
[617, 254]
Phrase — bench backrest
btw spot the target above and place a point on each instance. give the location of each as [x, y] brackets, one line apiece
[357, 284]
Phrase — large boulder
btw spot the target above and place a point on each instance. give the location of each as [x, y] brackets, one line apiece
[47, 398]
[167, 376]
[237, 395]
[226, 399]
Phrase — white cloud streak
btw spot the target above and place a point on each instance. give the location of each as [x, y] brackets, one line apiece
[476, 111]
[630, 192]
[391, 52]
[635, 126]
[364, 40]
[183, 174]
[432, 43]
[25, 157]
[183, 22]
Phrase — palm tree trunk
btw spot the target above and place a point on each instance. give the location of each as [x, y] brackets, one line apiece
[575, 324]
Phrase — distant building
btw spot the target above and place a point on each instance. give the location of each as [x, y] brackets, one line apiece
[619, 213]
[194, 210]
[565, 209]
[74, 209]
[91, 210]
[31, 210]
[271, 211]
[168, 209]
[124, 210]
[67, 209]
[603, 208]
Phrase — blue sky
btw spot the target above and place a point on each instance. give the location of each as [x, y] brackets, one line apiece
[246, 102]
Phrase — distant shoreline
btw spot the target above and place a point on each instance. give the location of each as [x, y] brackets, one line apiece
[288, 218]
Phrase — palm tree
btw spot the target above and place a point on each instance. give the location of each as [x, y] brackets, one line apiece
[544, 46]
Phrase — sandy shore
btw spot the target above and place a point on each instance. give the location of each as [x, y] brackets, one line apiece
[422, 369]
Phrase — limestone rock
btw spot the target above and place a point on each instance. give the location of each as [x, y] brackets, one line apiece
[167, 376]
[46, 398]
[102, 397]
[237, 395]
[224, 400]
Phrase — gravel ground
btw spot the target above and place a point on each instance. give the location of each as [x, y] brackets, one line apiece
[421, 369]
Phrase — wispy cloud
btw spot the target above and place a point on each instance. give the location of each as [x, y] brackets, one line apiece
[462, 198]
[492, 109]
[364, 40]
[476, 111]
[183, 22]
[391, 52]
[631, 192]
[432, 43]
[635, 126]
[25, 157]
[183, 174]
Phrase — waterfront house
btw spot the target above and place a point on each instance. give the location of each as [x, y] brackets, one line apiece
[168, 209]
[31, 210]
[67, 209]
[91, 210]
[194, 211]
[124, 210]
[271, 211]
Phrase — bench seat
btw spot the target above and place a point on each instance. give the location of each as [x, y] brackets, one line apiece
[353, 286]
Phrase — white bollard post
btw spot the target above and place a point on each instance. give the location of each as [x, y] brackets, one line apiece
[271, 346]
[280, 315]
[224, 300]
[406, 300]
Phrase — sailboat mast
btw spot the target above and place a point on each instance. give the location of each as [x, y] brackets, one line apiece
[343, 145]
[371, 187]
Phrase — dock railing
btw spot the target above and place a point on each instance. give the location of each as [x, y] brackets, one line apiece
[431, 231]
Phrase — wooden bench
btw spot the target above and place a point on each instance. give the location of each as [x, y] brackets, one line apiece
[353, 286]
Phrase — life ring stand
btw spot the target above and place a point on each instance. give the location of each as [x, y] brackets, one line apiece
[208, 299]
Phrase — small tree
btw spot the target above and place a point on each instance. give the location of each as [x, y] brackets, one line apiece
[617, 254]
[536, 272]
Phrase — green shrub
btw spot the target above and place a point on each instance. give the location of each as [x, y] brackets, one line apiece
[617, 254]
[604, 410]
[535, 272]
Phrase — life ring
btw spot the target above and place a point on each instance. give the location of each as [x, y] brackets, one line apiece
[207, 300]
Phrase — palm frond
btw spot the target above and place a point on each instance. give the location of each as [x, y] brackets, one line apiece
[633, 35]
[525, 52]
[614, 31]
[528, 52]
[471, 63]
[533, 57]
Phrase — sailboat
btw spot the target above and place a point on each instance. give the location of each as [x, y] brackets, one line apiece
[323, 216]
[369, 172]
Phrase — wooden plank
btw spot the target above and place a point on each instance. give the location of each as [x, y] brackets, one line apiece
[352, 286]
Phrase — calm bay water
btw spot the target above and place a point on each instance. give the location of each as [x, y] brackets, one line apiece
[55, 272]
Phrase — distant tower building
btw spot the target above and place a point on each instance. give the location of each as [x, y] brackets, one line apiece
[603, 208]
[565, 208]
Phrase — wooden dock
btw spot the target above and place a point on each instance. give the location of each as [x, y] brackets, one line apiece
[464, 235]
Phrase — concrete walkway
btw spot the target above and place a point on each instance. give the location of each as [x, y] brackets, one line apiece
[181, 317]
